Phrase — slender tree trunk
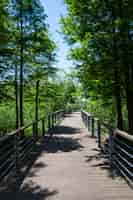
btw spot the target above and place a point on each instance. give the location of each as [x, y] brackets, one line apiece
[117, 78]
[36, 105]
[21, 63]
[16, 96]
[117, 90]
[128, 67]
[129, 96]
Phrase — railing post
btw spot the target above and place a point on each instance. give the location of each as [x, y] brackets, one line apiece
[34, 131]
[43, 127]
[55, 118]
[83, 118]
[63, 113]
[52, 120]
[16, 151]
[86, 120]
[49, 123]
[99, 133]
[59, 114]
[88, 123]
[92, 126]
[111, 146]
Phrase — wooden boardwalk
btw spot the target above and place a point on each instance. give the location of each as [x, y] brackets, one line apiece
[71, 166]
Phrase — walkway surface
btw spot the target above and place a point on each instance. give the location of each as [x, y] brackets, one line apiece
[72, 167]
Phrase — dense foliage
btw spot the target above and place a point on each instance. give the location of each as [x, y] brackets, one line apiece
[100, 36]
[28, 78]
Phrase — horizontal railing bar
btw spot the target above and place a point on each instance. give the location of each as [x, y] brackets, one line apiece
[116, 131]
[125, 160]
[9, 160]
[6, 148]
[128, 179]
[14, 147]
[87, 114]
[124, 151]
[2, 157]
[25, 145]
[25, 127]
[5, 137]
[124, 168]
[120, 145]
[6, 171]
[106, 125]
[21, 141]
[23, 154]
[124, 144]
[124, 135]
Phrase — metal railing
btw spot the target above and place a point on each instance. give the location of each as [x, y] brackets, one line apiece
[118, 144]
[18, 145]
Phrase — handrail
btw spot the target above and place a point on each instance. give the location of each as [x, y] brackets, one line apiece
[124, 135]
[19, 148]
[107, 125]
[116, 131]
[26, 126]
[120, 156]
[88, 114]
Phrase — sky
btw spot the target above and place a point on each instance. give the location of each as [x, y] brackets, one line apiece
[54, 9]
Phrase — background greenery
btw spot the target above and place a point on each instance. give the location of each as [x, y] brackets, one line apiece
[100, 37]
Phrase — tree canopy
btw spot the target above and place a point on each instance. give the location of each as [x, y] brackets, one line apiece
[100, 36]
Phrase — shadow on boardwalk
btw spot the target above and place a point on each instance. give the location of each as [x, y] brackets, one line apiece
[59, 142]
[62, 144]
[13, 189]
[101, 160]
[28, 192]
[66, 130]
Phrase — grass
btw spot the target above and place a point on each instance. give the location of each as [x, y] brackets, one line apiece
[8, 116]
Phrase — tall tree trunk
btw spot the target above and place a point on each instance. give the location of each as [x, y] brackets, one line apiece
[128, 68]
[129, 96]
[117, 93]
[117, 78]
[36, 106]
[16, 96]
[21, 63]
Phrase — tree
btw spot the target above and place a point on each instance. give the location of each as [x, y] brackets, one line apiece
[101, 31]
[32, 40]
[27, 53]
